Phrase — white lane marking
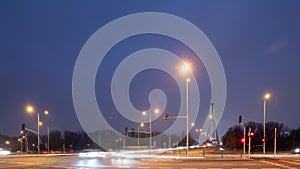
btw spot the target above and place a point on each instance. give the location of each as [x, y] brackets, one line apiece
[123, 166]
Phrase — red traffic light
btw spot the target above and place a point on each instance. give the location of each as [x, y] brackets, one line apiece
[242, 140]
[263, 140]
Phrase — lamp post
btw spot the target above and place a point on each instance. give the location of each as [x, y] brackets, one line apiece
[267, 97]
[187, 116]
[185, 68]
[200, 132]
[30, 109]
[141, 125]
[156, 111]
[48, 143]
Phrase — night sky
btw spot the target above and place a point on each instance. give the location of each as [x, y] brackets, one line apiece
[258, 43]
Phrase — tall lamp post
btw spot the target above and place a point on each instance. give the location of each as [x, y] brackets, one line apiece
[200, 132]
[156, 111]
[30, 109]
[48, 139]
[141, 125]
[267, 97]
[185, 68]
[187, 116]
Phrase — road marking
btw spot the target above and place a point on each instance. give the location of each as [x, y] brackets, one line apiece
[165, 167]
[144, 167]
[239, 168]
[188, 168]
[279, 165]
[123, 166]
[269, 168]
[214, 168]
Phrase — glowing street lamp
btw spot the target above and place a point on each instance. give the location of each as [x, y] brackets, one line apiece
[200, 132]
[144, 113]
[141, 125]
[185, 68]
[266, 97]
[30, 109]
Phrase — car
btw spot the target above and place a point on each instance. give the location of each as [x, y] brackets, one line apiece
[296, 150]
[4, 152]
[93, 153]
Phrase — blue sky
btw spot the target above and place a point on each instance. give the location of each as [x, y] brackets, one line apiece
[257, 41]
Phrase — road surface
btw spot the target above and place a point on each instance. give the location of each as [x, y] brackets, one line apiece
[76, 162]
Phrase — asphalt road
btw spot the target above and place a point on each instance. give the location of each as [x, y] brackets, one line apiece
[75, 162]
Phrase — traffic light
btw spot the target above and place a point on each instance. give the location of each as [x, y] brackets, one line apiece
[242, 140]
[166, 115]
[240, 119]
[23, 127]
[262, 140]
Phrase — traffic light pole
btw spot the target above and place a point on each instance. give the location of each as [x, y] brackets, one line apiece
[249, 145]
[244, 143]
[244, 127]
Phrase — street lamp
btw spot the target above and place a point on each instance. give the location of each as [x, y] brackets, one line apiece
[30, 109]
[141, 125]
[200, 132]
[267, 97]
[144, 113]
[185, 68]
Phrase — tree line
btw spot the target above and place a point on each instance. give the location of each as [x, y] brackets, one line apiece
[286, 138]
[68, 141]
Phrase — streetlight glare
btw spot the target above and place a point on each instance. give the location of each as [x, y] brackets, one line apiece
[156, 111]
[267, 96]
[142, 125]
[29, 109]
[40, 123]
[185, 67]
[144, 113]
[46, 112]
